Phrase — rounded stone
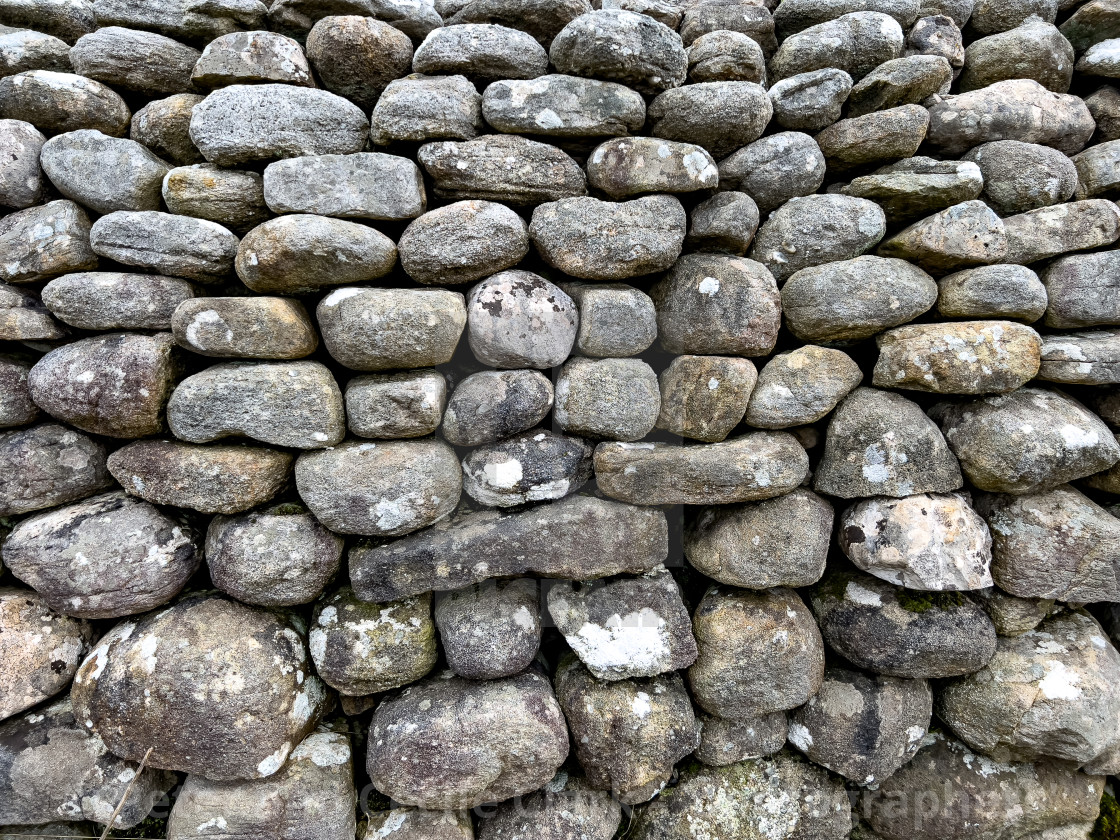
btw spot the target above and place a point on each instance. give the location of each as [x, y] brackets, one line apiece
[494, 404]
[1023, 176]
[720, 116]
[563, 106]
[630, 166]
[244, 327]
[357, 56]
[992, 291]
[490, 630]
[856, 43]
[104, 173]
[59, 102]
[21, 179]
[726, 56]
[617, 399]
[801, 386]
[725, 222]
[396, 405]
[144, 62]
[42, 242]
[232, 198]
[247, 57]
[517, 319]
[163, 125]
[705, 397]
[196, 249]
[775, 169]
[810, 101]
[109, 300]
[48, 465]
[422, 108]
[463, 242]
[533, 466]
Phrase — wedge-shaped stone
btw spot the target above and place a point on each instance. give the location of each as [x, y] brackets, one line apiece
[967, 234]
[1087, 358]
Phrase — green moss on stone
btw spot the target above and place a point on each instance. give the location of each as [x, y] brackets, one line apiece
[919, 602]
[1108, 823]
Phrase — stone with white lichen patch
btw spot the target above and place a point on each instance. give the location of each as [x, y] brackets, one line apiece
[630, 166]
[566, 807]
[490, 629]
[47, 465]
[534, 466]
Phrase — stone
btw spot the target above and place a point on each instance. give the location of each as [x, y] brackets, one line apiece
[795, 15]
[367, 185]
[1013, 616]
[494, 404]
[245, 327]
[42, 242]
[503, 737]
[115, 385]
[757, 465]
[1023, 176]
[490, 630]
[900, 81]
[150, 64]
[1025, 441]
[196, 249]
[759, 652]
[248, 123]
[1047, 692]
[705, 397]
[24, 318]
[725, 222]
[1096, 170]
[989, 16]
[56, 102]
[16, 406]
[609, 240]
[719, 116]
[209, 479]
[1103, 104]
[380, 489]
[929, 542]
[182, 18]
[626, 628]
[280, 556]
[874, 138]
[615, 320]
[357, 56]
[863, 727]
[463, 242]
[52, 767]
[1052, 544]
[361, 648]
[621, 46]
[163, 125]
[1090, 24]
[776, 542]
[53, 829]
[916, 187]
[1053, 231]
[482, 52]
[21, 179]
[856, 43]
[900, 633]
[517, 319]
[110, 300]
[1033, 50]
[850, 300]
[563, 106]
[711, 303]
[816, 229]
[575, 538]
[543, 20]
[810, 101]
[801, 386]
[774, 169]
[966, 234]
[421, 108]
[296, 18]
[615, 399]
[41, 649]
[1078, 290]
[724, 742]
[396, 405]
[129, 692]
[247, 57]
[66, 21]
[419, 823]
[726, 56]
[628, 734]
[630, 166]
[48, 465]
[575, 810]
[501, 167]
[315, 787]
[1017, 109]
[1100, 60]
[881, 444]
[742, 16]
[1088, 358]
[992, 291]
[74, 558]
[969, 357]
[534, 466]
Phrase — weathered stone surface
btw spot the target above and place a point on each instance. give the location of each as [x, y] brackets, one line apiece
[881, 444]
[396, 405]
[1079, 290]
[21, 179]
[209, 479]
[543, 19]
[29, 50]
[116, 301]
[297, 17]
[1088, 358]
[1090, 24]
[48, 465]
[775, 169]
[1100, 60]
[16, 406]
[183, 18]
[42, 242]
[134, 60]
[724, 742]
[607, 398]
[245, 327]
[380, 489]
[502, 738]
[705, 397]
[57, 102]
[628, 734]
[966, 234]
[856, 43]
[24, 318]
[114, 385]
[517, 319]
[1104, 105]
[796, 15]
[889, 630]
[481, 51]
[726, 56]
[575, 810]
[801, 386]
[1013, 616]
[719, 116]
[463, 242]
[65, 20]
[177, 245]
[916, 187]
[1033, 50]
[246, 123]
[615, 320]
[248, 57]
[563, 106]
[992, 291]
[534, 466]
[367, 185]
[725, 222]
[1028, 440]
[1052, 231]
[493, 404]
[1096, 170]
[577, 538]
[621, 46]
[419, 823]
[634, 165]
[163, 125]
[490, 630]
[874, 138]
[989, 16]
[901, 81]
[744, 16]
[810, 101]
[757, 465]
[129, 689]
[74, 558]
[357, 56]
[421, 108]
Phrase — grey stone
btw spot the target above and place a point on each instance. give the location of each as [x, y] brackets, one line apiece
[16, 406]
[757, 465]
[856, 43]
[874, 138]
[424, 824]
[74, 558]
[48, 465]
[575, 538]
[245, 327]
[183, 18]
[743, 16]
[1091, 23]
[105, 300]
[775, 169]
[380, 489]
[361, 648]
[816, 229]
[209, 479]
[303, 253]
[801, 386]
[1053, 231]
[1013, 616]
[534, 466]
[575, 810]
[248, 57]
[901, 81]
[1088, 358]
[1023, 176]
[232, 198]
[630, 166]
[114, 385]
[937, 35]
[503, 737]
[607, 398]
[396, 405]
[163, 125]
[964, 235]
[606, 240]
[1033, 50]
[296, 18]
[104, 173]
[992, 291]
[1096, 170]
[705, 397]
[1104, 105]
[517, 319]
[621, 46]
[144, 62]
[810, 101]
[849, 300]
[918, 186]
[667, 12]
[21, 179]
[365, 185]
[990, 16]
[29, 50]
[628, 734]
[57, 102]
[792, 16]
[719, 116]
[60, 18]
[563, 106]
[463, 242]
[262, 697]
[726, 56]
[247, 123]
[52, 829]
[724, 742]
[543, 19]
[501, 167]
[494, 404]
[42, 242]
[24, 318]
[482, 52]
[615, 320]
[881, 444]
[1026, 441]
[357, 56]
[490, 630]
[725, 222]
[1079, 290]
[421, 108]
[177, 245]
